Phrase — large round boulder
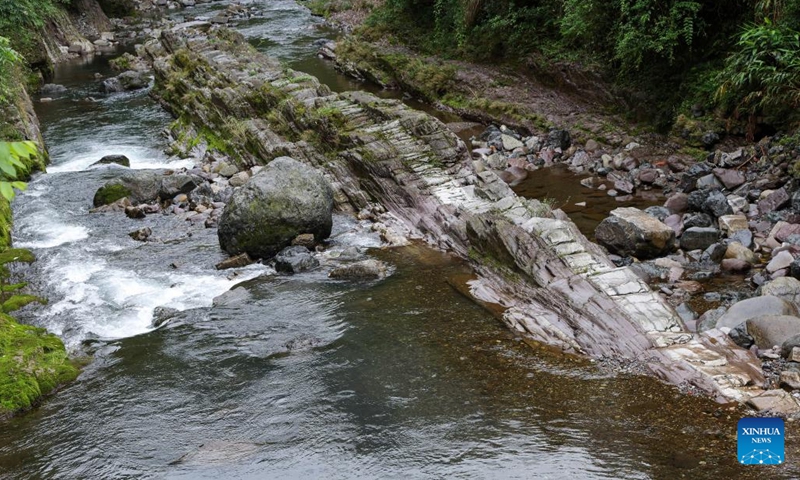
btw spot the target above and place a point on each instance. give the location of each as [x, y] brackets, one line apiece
[282, 201]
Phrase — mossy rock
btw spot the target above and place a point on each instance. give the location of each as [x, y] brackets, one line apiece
[694, 131]
[33, 363]
[286, 199]
[108, 194]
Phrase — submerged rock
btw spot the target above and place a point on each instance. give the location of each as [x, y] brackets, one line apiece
[142, 234]
[367, 269]
[286, 199]
[232, 297]
[295, 260]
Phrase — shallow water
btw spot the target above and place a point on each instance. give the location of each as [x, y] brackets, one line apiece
[586, 207]
[305, 377]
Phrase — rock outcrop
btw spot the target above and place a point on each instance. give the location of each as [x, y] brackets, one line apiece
[556, 286]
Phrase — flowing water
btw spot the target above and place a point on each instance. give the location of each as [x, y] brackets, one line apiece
[303, 376]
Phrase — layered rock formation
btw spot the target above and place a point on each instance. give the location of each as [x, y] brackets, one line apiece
[556, 287]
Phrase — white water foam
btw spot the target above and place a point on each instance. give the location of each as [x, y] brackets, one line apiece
[112, 303]
[140, 157]
[49, 233]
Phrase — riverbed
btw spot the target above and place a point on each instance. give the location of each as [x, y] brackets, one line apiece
[303, 376]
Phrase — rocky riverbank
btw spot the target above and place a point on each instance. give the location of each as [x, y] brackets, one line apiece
[729, 215]
[414, 178]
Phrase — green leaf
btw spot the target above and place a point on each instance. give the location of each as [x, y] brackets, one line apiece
[8, 169]
[5, 151]
[6, 191]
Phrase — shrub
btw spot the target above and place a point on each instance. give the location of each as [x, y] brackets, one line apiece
[762, 77]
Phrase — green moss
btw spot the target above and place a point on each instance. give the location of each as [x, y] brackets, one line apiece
[32, 363]
[15, 302]
[698, 154]
[109, 194]
[122, 63]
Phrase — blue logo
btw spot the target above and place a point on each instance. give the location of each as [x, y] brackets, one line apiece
[760, 441]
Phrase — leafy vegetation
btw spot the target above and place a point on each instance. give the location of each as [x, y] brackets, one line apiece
[9, 61]
[22, 21]
[763, 75]
[738, 58]
[13, 157]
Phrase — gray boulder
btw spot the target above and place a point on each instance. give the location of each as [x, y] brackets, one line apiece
[787, 288]
[709, 319]
[113, 160]
[754, 307]
[790, 344]
[139, 186]
[717, 204]
[125, 81]
[162, 315]
[143, 186]
[282, 201]
[178, 183]
[630, 231]
[770, 330]
[699, 238]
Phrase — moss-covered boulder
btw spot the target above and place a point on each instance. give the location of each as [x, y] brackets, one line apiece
[286, 199]
[140, 186]
[32, 364]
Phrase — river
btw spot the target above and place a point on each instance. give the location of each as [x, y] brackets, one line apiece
[303, 377]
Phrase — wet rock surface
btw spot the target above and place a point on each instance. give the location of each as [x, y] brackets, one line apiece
[295, 259]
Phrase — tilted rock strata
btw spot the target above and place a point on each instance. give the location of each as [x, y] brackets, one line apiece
[557, 287]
